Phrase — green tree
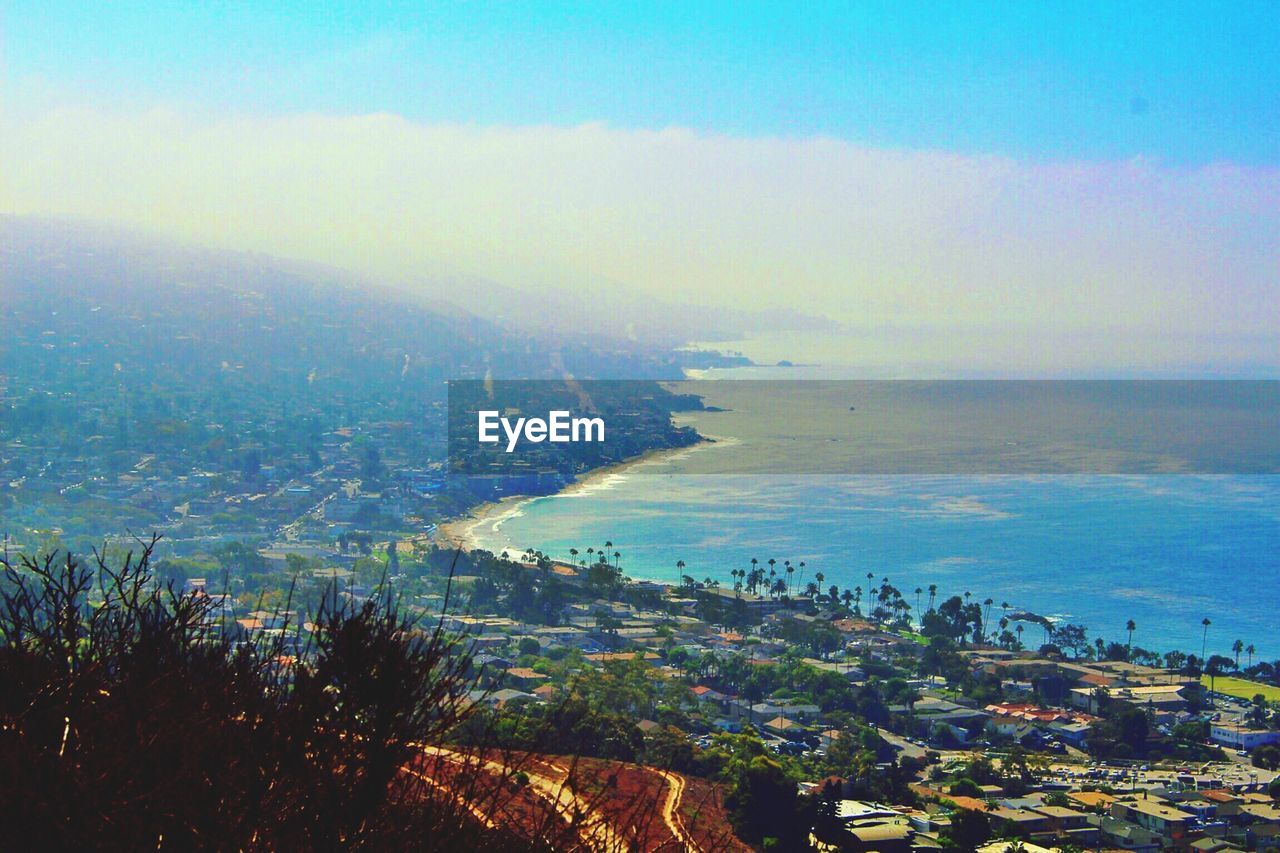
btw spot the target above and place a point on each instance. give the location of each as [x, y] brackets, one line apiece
[1267, 757]
[762, 803]
[969, 830]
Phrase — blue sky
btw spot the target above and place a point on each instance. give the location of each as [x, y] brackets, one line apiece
[1023, 186]
[1183, 83]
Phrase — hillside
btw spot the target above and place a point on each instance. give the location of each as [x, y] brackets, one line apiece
[145, 383]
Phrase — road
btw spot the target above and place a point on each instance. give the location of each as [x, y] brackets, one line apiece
[907, 748]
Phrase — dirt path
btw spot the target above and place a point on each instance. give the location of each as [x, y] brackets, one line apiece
[476, 812]
[671, 810]
[594, 829]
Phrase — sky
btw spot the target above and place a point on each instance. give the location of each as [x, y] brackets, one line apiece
[1038, 174]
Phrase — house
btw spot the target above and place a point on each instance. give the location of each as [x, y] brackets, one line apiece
[525, 678]
[702, 693]
[1009, 714]
[1262, 820]
[1214, 845]
[748, 603]
[931, 717]
[1072, 824]
[1094, 801]
[490, 663]
[849, 672]
[1157, 698]
[501, 698]
[741, 709]
[1023, 821]
[1123, 835]
[828, 737]
[785, 728]
[880, 836]
[1156, 815]
[968, 804]
[802, 711]
[1072, 733]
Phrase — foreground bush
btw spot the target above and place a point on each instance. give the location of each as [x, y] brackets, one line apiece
[129, 719]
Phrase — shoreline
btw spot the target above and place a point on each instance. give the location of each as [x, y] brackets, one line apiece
[460, 532]
[1165, 625]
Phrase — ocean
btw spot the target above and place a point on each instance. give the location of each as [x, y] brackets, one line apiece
[1164, 547]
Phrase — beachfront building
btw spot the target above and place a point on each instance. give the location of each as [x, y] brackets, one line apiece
[1156, 698]
[758, 605]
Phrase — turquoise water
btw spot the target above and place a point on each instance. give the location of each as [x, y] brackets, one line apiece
[1164, 550]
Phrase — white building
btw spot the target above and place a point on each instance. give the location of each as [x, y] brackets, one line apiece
[1236, 736]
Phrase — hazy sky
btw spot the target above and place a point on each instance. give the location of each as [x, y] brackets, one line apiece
[1109, 170]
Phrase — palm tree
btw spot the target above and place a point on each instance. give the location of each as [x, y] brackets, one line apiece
[1019, 630]
[1237, 647]
[1130, 626]
[1204, 639]
[986, 613]
[617, 559]
[573, 556]
[1249, 649]
[1212, 668]
[679, 568]
[933, 593]
[918, 591]
[791, 570]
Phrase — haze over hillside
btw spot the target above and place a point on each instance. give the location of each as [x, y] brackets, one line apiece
[104, 305]
[140, 378]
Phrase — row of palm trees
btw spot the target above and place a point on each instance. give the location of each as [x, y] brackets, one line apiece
[594, 555]
[789, 582]
[888, 606]
[886, 602]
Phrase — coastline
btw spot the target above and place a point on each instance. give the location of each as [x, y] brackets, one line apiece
[462, 531]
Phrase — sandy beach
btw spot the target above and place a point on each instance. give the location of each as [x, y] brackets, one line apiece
[465, 531]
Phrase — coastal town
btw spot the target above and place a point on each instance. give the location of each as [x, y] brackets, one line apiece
[900, 733]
